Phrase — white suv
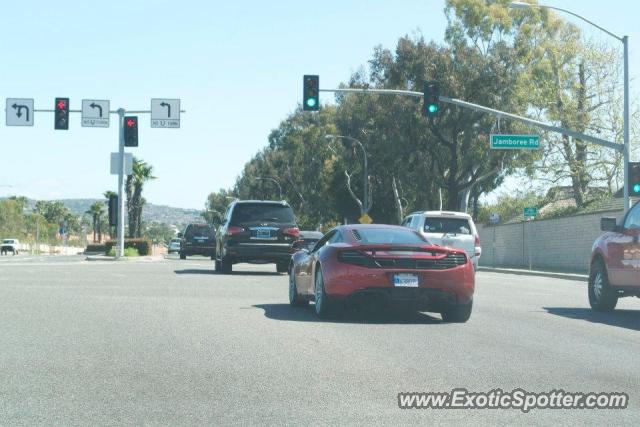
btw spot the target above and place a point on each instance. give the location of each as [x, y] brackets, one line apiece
[9, 245]
[452, 229]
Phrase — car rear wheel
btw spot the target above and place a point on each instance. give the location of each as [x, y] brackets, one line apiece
[294, 296]
[322, 303]
[458, 313]
[601, 296]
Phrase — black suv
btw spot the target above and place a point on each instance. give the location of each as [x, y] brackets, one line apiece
[198, 239]
[257, 232]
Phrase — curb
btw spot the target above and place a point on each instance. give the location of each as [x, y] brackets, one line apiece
[145, 258]
[519, 272]
[104, 258]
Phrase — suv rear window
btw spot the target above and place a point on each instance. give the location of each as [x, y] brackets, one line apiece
[447, 225]
[197, 230]
[246, 213]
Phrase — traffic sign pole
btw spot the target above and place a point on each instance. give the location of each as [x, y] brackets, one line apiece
[120, 233]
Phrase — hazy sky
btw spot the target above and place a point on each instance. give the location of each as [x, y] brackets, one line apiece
[237, 66]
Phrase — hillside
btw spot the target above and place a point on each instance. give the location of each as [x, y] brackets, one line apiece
[150, 212]
[165, 214]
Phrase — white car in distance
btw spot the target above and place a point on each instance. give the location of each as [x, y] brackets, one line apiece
[452, 229]
[9, 245]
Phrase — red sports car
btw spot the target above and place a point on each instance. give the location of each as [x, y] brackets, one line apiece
[382, 264]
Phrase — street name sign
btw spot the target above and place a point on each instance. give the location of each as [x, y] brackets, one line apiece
[19, 111]
[95, 113]
[115, 163]
[515, 142]
[165, 113]
[530, 212]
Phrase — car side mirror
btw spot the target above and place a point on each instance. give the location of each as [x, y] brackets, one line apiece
[609, 224]
[179, 235]
[223, 222]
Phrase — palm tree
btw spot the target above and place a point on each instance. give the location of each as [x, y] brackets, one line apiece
[96, 211]
[142, 172]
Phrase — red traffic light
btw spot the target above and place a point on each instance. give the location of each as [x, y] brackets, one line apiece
[130, 131]
[61, 115]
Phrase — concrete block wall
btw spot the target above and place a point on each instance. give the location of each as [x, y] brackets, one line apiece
[562, 244]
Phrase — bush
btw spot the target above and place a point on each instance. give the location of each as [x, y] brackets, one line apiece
[96, 248]
[130, 252]
[143, 245]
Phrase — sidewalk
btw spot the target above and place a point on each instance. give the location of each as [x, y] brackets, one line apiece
[524, 272]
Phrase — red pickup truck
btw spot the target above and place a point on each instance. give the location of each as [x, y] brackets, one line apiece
[615, 261]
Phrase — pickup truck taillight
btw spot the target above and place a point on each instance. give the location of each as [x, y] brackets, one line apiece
[293, 232]
[234, 230]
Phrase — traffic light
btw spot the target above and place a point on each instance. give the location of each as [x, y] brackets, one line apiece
[311, 93]
[431, 97]
[634, 178]
[113, 210]
[61, 114]
[130, 131]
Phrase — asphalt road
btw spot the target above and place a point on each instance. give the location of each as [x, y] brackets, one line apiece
[172, 343]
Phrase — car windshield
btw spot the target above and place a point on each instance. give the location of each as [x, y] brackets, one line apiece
[398, 236]
[447, 225]
[199, 231]
[7, 241]
[246, 213]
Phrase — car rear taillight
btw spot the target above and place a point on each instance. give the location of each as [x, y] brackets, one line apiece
[356, 258]
[477, 240]
[292, 232]
[477, 246]
[234, 230]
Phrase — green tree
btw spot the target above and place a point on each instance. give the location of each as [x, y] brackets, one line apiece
[96, 211]
[216, 205]
[134, 185]
[159, 232]
[566, 81]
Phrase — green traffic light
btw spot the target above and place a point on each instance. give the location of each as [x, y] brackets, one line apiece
[636, 188]
[433, 108]
[311, 102]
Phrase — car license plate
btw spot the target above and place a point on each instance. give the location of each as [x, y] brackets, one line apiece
[263, 234]
[405, 280]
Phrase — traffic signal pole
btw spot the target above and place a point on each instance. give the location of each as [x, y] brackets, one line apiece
[120, 229]
[621, 148]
